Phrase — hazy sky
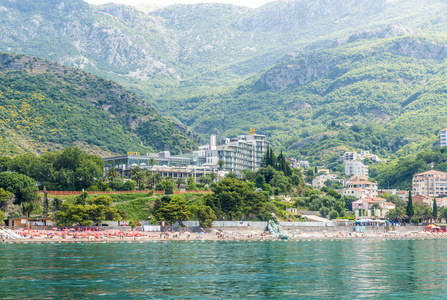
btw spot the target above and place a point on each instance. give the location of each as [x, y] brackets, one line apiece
[249, 3]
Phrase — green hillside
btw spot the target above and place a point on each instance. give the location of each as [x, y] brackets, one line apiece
[317, 76]
[385, 95]
[45, 106]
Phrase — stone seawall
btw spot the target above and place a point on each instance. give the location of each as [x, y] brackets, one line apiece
[307, 229]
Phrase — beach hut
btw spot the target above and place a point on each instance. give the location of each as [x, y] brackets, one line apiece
[23, 222]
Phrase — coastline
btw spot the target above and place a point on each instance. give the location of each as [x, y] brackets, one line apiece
[164, 237]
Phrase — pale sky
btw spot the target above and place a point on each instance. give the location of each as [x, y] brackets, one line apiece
[248, 3]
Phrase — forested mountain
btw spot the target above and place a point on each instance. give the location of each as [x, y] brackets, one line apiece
[46, 106]
[386, 95]
[316, 76]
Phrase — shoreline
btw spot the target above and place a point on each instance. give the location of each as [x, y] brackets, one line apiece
[163, 237]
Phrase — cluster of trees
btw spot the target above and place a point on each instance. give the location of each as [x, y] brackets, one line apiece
[87, 211]
[144, 179]
[399, 173]
[67, 170]
[18, 189]
[332, 205]
[415, 213]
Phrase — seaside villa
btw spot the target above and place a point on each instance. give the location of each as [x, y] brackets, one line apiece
[371, 207]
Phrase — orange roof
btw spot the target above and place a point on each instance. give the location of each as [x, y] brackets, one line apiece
[389, 203]
[434, 172]
[376, 198]
[369, 200]
[445, 129]
[361, 182]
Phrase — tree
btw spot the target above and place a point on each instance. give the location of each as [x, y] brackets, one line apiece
[152, 162]
[192, 186]
[129, 185]
[234, 199]
[206, 216]
[82, 198]
[221, 163]
[167, 186]
[4, 197]
[174, 211]
[324, 211]
[260, 181]
[443, 214]
[138, 175]
[427, 213]
[2, 217]
[23, 187]
[396, 214]
[112, 174]
[97, 210]
[435, 210]
[213, 176]
[4, 163]
[333, 215]
[205, 179]
[57, 204]
[410, 208]
[179, 182]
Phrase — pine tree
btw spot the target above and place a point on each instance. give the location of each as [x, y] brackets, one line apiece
[435, 210]
[410, 208]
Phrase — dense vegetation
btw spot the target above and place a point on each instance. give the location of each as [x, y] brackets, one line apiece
[190, 62]
[46, 106]
[399, 173]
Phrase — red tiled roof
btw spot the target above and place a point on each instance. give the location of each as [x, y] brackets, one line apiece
[362, 182]
[434, 172]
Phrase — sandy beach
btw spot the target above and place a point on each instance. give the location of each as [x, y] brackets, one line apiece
[107, 236]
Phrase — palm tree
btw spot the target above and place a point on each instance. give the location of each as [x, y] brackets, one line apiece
[179, 182]
[221, 163]
[213, 176]
[135, 170]
[443, 214]
[427, 214]
[152, 162]
[139, 177]
[158, 177]
[112, 173]
[396, 214]
[149, 179]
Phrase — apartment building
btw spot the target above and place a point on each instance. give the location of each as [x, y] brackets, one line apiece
[431, 183]
[443, 137]
[356, 168]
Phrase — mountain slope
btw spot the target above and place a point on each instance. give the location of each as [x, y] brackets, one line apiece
[289, 68]
[392, 88]
[44, 106]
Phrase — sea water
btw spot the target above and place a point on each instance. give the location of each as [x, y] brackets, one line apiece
[399, 269]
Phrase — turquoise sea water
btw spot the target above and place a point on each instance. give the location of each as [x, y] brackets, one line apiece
[380, 269]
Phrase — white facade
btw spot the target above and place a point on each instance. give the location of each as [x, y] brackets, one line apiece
[318, 182]
[242, 153]
[443, 138]
[431, 183]
[356, 168]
